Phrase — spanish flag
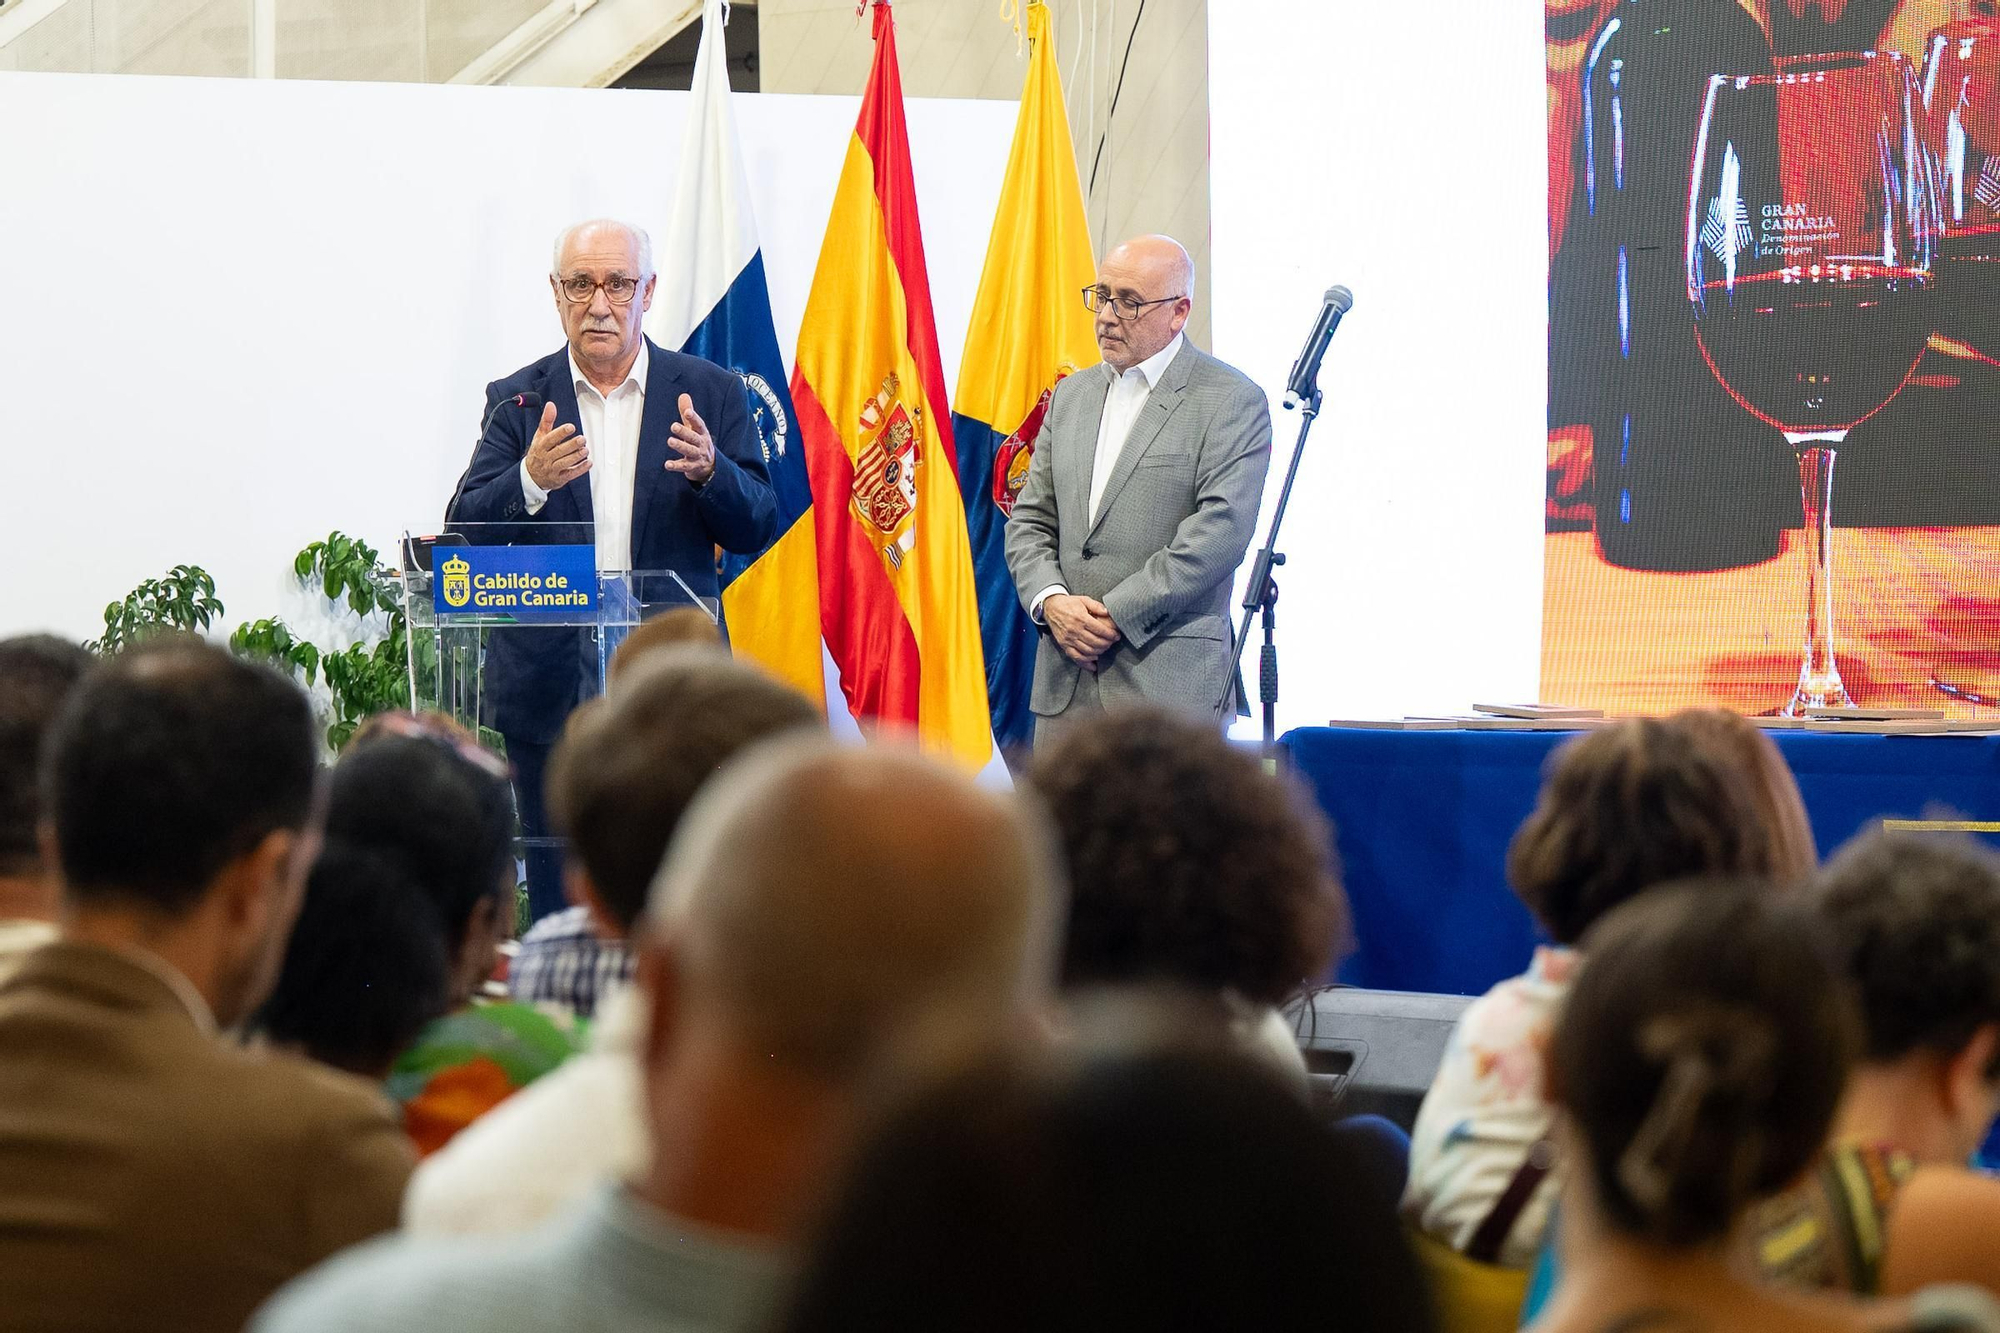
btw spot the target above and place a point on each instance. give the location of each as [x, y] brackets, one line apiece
[898, 608]
[1029, 329]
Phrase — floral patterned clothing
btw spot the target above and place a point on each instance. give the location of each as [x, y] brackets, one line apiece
[466, 1063]
[1485, 1112]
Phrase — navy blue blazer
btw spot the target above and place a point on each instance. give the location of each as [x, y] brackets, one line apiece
[535, 676]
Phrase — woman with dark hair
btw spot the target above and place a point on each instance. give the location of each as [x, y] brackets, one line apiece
[365, 970]
[1149, 1185]
[420, 796]
[1625, 808]
[1696, 1069]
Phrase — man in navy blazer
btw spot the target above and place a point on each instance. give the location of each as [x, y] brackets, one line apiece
[623, 441]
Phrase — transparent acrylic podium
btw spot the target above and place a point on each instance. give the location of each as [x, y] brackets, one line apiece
[525, 601]
[450, 647]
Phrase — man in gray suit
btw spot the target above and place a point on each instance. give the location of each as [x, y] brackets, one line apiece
[1139, 504]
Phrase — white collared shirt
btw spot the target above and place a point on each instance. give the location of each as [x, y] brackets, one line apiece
[1123, 402]
[610, 425]
[1124, 399]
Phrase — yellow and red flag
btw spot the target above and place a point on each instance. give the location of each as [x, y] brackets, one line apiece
[898, 606]
[1029, 329]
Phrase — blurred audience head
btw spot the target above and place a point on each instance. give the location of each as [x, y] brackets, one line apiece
[825, 914]
[429, 798]
[366, 968]
[1743, 747]
[1699, 1058]
[1189, 864]
[1624, 808]
[681, 626]
[1915, 924]
[1145, 1175]
[629, 764]
[37, 672]
[821, 903]
[179, 782]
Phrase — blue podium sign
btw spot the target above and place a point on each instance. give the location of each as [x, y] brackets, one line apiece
[525, 582]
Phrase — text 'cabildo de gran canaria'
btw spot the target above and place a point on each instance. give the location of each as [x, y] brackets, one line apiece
[532, 592]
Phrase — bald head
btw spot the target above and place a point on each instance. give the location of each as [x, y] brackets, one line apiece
[823, 902]
[1152, 272]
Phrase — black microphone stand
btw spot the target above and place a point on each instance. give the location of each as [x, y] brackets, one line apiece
[1260, 595]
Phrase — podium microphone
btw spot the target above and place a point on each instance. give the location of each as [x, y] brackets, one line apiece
[1301, 387]
[531, 401]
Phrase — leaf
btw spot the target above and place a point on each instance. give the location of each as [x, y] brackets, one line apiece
[303, 565]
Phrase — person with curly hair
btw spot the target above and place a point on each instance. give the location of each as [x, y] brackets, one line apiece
[1191, 865]
[1626, 807]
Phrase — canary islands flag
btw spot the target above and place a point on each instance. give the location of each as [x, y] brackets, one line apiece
[1029, 329]
[898, 607]
[713, 303]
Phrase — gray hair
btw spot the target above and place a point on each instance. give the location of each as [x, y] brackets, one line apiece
[638, 234]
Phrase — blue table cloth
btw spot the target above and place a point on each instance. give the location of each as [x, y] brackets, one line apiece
[1423, 819]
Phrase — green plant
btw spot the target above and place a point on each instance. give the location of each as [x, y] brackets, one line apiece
[348, 570]
[367, 680]
[273, 641]
[364, 679]
[184, 601]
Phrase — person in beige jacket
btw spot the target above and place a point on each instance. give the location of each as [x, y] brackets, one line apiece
[153, 1174]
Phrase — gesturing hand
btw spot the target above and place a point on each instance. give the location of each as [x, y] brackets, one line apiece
[691, 441]
[1083, 629]
[557, 455]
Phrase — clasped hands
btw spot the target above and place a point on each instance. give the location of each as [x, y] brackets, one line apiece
[558, 455]
[1083, 629]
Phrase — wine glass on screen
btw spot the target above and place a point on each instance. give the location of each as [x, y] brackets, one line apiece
[1961, 97]
[1812, 234]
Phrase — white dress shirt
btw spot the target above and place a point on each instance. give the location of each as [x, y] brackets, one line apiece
[1124, 399]
[610, 426]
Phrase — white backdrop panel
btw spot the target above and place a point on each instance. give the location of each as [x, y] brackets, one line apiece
[1399, 150]
[242, 313]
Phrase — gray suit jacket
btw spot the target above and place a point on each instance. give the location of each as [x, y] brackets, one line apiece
[1177, 516]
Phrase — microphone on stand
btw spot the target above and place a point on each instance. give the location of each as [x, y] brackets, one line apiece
[1301, 387]
[531, 401]
[1261, 593]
